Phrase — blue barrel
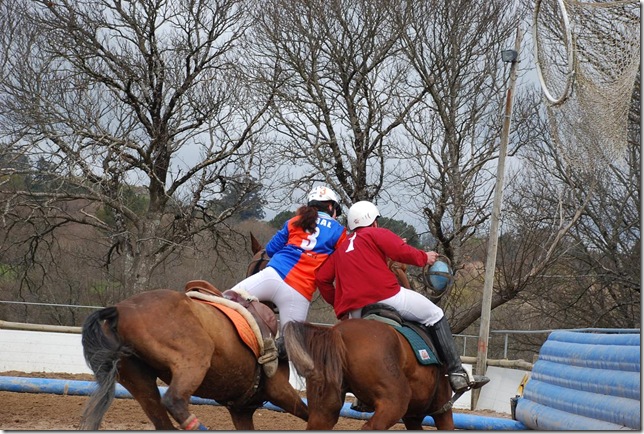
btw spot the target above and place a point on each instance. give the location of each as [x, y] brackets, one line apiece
[584, 381]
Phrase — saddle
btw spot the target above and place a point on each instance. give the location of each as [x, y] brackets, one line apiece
[262, 319]
[264, 315]
[387, 314]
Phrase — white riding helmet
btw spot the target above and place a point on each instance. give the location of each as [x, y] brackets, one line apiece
[322, 193]
[361, 214]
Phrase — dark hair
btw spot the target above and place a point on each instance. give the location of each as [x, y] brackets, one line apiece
[324, 206]
[308, 216]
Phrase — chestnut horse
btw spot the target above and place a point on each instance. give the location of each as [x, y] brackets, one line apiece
[191, 346]
[370, 359]
[376, 363]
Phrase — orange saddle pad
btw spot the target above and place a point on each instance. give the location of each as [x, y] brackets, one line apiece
[242, 326]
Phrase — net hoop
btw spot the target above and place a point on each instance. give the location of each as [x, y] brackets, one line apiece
[603, 4]
[570, 73]
[435, 294]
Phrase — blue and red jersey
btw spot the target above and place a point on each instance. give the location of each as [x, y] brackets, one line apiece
[296, 254]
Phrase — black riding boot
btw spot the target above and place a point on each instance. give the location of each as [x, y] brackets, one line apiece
[460, 380]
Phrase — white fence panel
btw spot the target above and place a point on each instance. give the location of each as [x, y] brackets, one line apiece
[35, 351]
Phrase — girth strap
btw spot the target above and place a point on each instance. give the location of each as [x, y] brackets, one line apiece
[249, 394]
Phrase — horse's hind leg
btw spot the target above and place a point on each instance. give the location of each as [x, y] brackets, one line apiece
[242, 418]
[281, 393]
[139, 380]
[322, 417]
[444, 421]
[386, 414]
[324, 410]
[413, 422]
[176, 399]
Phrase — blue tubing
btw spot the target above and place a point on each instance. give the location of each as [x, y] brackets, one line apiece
[77, 387]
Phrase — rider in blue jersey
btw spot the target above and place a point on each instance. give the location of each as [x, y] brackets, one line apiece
[297, 250]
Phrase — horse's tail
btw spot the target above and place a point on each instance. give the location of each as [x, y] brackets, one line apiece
[317, 352]
[102, 353]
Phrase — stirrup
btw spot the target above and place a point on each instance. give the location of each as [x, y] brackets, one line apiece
[479, 381]
[459, 381]
[476, 381]
[464, 381]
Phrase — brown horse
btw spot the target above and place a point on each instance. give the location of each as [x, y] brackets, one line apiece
[260, 258]
[192, 347]
[376, 363]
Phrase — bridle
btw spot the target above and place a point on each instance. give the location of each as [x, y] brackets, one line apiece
[256, 264]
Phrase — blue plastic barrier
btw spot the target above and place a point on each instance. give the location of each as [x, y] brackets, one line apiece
[584, 381]
[76, 387]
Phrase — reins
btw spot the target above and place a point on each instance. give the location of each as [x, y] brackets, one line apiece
[256, 264]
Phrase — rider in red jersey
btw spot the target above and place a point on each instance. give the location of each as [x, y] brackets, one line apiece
[357, 275]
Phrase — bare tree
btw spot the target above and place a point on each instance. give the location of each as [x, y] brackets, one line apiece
[453, 135]
[569, 245]
[454, 144]
[344, 90]
[113, 94]
[592, 278]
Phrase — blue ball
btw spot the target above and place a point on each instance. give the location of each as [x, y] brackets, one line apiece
[439, 281]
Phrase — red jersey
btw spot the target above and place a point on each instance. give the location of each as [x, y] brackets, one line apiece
[359, 269]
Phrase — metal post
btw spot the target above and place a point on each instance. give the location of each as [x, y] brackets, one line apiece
[490, 265]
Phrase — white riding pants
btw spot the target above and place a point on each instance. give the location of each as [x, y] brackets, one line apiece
[267, 285]
[412, 306]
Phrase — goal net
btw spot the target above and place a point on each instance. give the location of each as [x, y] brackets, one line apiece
[588, 56]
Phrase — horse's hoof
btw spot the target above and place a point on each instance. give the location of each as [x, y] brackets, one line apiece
[361, 407]
[193, 424]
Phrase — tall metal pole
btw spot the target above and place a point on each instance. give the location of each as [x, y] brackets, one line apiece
[493, 241]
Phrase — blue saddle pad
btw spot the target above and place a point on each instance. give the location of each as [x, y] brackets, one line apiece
[424, 354]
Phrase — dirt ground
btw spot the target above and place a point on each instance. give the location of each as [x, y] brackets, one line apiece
[41, 412]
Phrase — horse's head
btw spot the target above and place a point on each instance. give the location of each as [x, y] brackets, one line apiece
[260, 258]
[255, 245]
[400, 270]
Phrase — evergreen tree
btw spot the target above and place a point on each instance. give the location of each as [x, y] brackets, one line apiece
[243, 196]
[278, 221]
[401, 229]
